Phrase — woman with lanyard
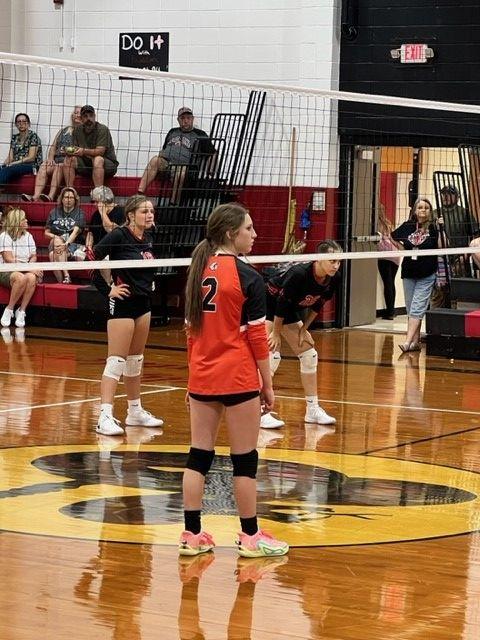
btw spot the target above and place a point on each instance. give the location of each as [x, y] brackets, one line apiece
[129, 305]
[291, 293]
[418, 272]
[227, 348]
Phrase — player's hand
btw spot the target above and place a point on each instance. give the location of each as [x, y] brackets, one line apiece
[305, 336]
[267, 398]
[119, 291]
[274, 341]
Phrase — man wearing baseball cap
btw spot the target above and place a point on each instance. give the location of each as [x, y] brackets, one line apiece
[460, 227]
[92, 153]
[180, 143]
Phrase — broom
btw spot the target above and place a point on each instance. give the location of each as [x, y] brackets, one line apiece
[289, 240]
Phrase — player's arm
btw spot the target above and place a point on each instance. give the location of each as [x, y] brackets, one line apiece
[256, 334]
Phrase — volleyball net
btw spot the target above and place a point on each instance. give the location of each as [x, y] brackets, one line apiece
[308, 163]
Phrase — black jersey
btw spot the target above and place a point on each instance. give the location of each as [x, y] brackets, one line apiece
[297, 288]
[121, 244]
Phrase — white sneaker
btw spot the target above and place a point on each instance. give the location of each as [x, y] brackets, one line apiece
[108, 426]
[317, 415]
[142, 418]
[267, 421]
[19, 318]
[6, 318]
[6, 335]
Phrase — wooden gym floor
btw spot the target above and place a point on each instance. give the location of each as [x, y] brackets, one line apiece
[382, 512]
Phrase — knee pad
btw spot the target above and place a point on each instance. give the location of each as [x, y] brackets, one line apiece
[114, 367]
[308, 361]
[200, 460]
[245, 464]
[275, 359]
[133, 366]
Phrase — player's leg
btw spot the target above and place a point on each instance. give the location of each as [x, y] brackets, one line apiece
[204, 423]
[308, 360]
[120, 332]
[268, 420]
[243, 424]
[132, 376]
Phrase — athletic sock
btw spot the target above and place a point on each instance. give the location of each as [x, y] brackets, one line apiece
[106, 408]
[249, 525]
[312, 401]
[192, 521]
[134, 406]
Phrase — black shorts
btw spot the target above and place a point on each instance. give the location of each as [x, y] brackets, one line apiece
[227, 399]
[291, 317]
[132, 307]
[85, 166]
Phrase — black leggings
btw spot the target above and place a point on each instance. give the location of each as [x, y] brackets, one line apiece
[388, 270]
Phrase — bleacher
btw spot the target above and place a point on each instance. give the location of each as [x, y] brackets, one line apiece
[180, 225]
[80, 296]
[455, 332]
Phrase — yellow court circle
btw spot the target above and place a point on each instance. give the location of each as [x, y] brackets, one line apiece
[132, 493]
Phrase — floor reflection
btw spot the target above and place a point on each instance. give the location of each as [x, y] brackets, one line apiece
[248, 573]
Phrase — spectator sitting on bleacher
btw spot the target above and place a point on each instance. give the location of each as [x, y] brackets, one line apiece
[107, 216]
[25, 153]
[180, 143]
[65, 226]
[52, 166]
[17, 245]
[92, 153]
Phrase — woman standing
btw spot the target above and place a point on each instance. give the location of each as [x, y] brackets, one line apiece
[418, 272]
[25, 153]
[129, 305]
[291, 292]
[227, 347]
[52, 167]
[17, 245]
[387, 266]
[64, 228]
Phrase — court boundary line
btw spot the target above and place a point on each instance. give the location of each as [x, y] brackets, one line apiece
[420, 440]
[283, 397]
[47, 375]
[72, 402]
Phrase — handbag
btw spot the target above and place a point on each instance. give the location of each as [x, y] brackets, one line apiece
[387, 244]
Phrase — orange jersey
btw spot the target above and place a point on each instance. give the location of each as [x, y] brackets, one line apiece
[222, 357]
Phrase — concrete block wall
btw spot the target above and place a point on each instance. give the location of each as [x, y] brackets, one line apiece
[280, 41]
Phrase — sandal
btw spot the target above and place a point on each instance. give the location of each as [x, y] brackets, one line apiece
[44, 198]
[415, 347]
[67, 280]
[26, 198]
[404, 347]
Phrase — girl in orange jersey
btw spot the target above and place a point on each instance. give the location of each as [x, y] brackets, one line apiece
[227, 347]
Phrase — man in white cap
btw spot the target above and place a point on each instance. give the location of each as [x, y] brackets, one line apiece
[180, 142]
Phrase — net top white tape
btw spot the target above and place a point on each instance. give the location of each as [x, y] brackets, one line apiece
[183, 262]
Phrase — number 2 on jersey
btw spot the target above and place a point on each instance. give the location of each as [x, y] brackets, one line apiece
[208, 299]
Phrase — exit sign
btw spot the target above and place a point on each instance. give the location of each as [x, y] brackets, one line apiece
[415, 53]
